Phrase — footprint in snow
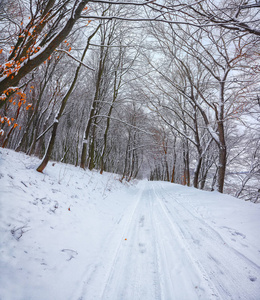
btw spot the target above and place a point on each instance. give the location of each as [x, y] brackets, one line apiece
[70, 253]
[17, 233]
[236, 233]
[142, 248]
[252, 278]
[141, 221]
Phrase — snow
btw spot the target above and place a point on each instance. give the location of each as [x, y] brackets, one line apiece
[213, 134]
[75, 234]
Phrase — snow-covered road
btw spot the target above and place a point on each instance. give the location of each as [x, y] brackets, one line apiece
[153, 262]
[168, 252]
[70, 234]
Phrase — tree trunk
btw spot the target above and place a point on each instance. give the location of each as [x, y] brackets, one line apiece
[92, 149]
[186, 162]
[102, 163]
[49, 149]
[91, 116]
[166, 165]
[173, 174]
[222, 142]
[196, 173]
[222, 158]
[62, 107]
[86, 136]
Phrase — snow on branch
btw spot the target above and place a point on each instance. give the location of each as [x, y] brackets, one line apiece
[135, 127]
[155, 19]
[213, 134]
[45, 131]
[124, 2]
[77, 60]
[246, 6]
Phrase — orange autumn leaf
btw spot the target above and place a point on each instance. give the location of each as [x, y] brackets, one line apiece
[15, 125]
[69, 49]
[8, 65]
[1, 50]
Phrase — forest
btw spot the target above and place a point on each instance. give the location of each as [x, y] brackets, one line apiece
[165, 90]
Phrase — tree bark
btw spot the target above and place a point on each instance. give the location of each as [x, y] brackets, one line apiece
[222, 158]
[49, 149]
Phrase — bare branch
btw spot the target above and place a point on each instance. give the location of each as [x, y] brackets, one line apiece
[77, 60]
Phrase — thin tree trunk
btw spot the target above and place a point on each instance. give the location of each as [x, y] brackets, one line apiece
[222, 159]
[90, 120]
[115, 93]
[173, 174]
[102, 163]
[186, 175]
[196, 173]
[50, 146]
[199, 150]
[101, 67]
[222, 142]
[62, 107]
[92, 149]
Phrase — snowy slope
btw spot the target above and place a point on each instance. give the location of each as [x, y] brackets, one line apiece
[74, 234]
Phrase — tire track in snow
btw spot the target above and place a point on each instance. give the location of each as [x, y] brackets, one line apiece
[186, 279]
[134, 273]
[231, 271]
[210, 232]
[118, 252]
[169, 254]
[96, 271]
[154, 262]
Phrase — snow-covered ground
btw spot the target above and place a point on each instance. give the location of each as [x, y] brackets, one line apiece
[74, 234]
